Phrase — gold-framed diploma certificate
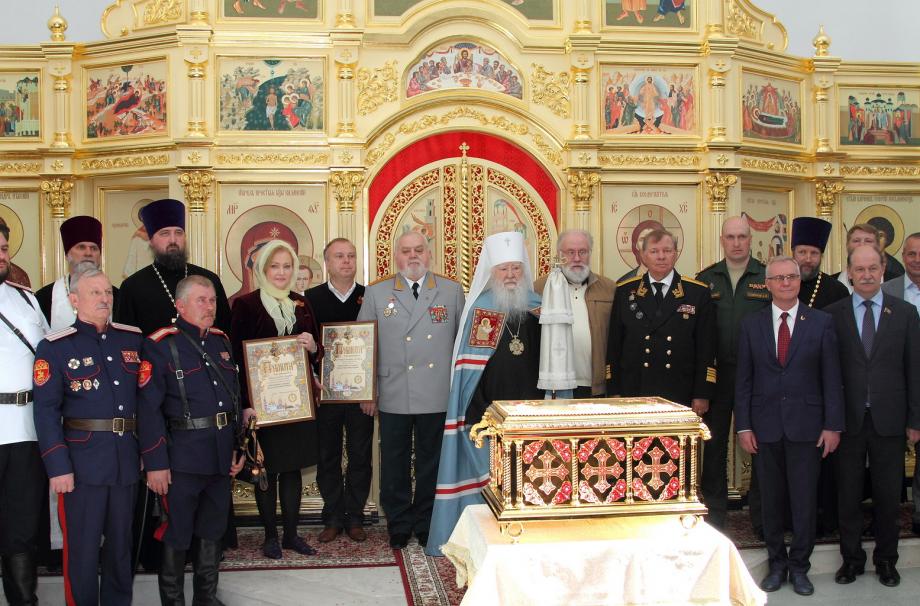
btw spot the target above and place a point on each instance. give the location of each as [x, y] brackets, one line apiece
[349, 366]
[280, 380]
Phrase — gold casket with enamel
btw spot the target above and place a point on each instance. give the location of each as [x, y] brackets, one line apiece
[563, 459]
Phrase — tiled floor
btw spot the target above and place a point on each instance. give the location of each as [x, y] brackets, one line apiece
[866, 591]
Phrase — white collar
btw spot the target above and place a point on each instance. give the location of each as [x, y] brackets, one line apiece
[777, 312]
[666, 280]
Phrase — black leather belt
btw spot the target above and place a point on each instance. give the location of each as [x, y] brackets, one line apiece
[117, 425]
[19, 398]
[220, 420]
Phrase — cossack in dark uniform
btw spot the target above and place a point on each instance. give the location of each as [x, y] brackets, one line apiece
[85, 416]
[188, 424]
[667, 351]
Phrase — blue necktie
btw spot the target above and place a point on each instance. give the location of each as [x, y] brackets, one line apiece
[868, 329]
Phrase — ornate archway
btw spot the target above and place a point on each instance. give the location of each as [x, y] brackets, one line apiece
[457, 188]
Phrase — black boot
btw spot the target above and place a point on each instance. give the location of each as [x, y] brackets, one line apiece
[172, 577]
[207, 562]
[19, 579]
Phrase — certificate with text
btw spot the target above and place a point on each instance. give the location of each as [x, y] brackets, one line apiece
[280, 380]
[349, 367]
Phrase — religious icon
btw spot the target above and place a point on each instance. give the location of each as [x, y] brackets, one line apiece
[126, 100]
[879, 116]
[20, 105]
[771, 108]
[464, 65]
[649, 100]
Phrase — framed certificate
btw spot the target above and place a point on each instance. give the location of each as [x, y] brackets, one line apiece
[349, 366]
[280, 380]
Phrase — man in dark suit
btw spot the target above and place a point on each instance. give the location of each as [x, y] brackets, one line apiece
[662, 339]
[879, 338]
[907, 287]
[788, 411]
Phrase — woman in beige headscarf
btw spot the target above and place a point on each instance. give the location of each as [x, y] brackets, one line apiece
[273, 311]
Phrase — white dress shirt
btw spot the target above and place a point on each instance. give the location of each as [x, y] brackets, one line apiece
[342, 296]
[666, 281]
[16, 423]
[777, 320]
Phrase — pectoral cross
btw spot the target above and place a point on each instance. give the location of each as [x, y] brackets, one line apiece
[546, 472]
[656, 468]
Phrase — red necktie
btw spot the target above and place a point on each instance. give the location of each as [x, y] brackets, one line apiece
[782, 341]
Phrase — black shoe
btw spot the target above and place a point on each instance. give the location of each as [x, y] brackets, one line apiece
[800, 583]
[399, 540]
[887, 574]
[206, 567]
[422, 538]
[916, 528]
[758, 532]
[299, 545]
[847, 573]
[271, 549]
[774, 580]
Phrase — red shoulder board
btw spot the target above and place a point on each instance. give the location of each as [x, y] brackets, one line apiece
[125, 327]
[19, 286]
[60, 334]
[158, 335]
[217, 331]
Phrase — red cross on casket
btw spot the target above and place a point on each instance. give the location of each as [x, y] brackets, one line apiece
[656, 468]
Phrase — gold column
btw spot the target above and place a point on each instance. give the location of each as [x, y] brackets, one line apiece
[583, 16]
[346, 185]
[197, 62]
[197, 187]
[827, 195]
[345, 17]
[345, 70]
[581, 128]
[717, 71]
[717, 186]
[59, 66]
[198, 12]
[581, 186]
[824, 67]
[56, 194]
[466, 226]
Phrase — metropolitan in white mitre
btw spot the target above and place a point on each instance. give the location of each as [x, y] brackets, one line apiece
[496, 357]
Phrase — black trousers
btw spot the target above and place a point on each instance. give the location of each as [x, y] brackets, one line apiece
[407, 512]
[344, 495]
[23, 486]
[288, 486]
[886, 462]
[196, 505]
[915, 490]
[714, 477]
[788, 468]
[87, 514]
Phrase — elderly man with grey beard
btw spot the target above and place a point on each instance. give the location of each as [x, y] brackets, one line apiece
[592, 301]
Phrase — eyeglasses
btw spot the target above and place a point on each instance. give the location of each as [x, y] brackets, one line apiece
[784, 278]
[581, 252]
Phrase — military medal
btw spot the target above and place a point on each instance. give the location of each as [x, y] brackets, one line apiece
[87, 361]
[95, 383]
[639, 315]
[75, 385]
[87, 384]
[633, 307]
[391, 308]
[73, 363]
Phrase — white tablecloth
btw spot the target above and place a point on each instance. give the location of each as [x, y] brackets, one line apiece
[640, 560]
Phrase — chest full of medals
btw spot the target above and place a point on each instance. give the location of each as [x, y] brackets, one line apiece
[563, 459]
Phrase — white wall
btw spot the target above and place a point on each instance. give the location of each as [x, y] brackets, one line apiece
[860, 29]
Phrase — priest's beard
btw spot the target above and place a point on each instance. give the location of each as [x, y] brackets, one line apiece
[576, 276]
[808, 274]
[174, 259]
[512, 301]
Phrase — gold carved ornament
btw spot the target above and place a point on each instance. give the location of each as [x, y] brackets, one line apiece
[162, 11]
[466, 229]
[740, 23]
[376, 87]
[582, 186]
[717, 185]
[125, 162]
[20, 167]
[56, 193]
[551, 89]
[821, 42]
[648, 160]
[781, 166]
[826, 195]
[57, 25]
[197, 186]
[345, 187]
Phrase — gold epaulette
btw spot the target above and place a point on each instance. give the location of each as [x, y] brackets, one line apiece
[692, 281]
[126, 327]
[19, 286]
[628, 280]
[383, 279]
[159, 334]
[60, 334]
[710, 374]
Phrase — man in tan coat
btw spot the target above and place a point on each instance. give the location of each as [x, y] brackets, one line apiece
[592, 301]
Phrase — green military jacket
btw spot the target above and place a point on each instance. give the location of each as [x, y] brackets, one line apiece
[750, 295]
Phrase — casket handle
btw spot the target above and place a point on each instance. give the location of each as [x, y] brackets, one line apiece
[482, 429]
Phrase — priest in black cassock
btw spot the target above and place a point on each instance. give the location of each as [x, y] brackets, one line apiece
[809, 240]
[496, 357]
[147, 297]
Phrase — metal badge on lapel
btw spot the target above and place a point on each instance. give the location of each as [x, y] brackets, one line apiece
[391, 308]
[88, 361]
[225, 356]
[75, 385]
[96, 383]
[73, 363]
[87, 384]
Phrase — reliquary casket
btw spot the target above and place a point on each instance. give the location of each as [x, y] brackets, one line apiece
[561, 459]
